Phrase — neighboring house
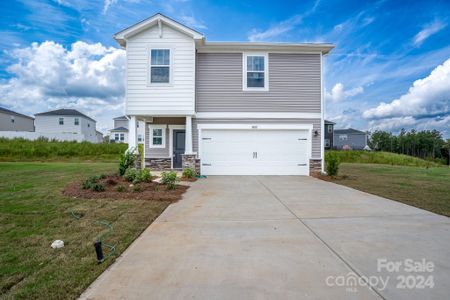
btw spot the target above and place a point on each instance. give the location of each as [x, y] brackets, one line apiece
[13, 121]
[329, 131]
[119, 134]
[67, 122]
[228, 108]
[99, 136]
[344, 138]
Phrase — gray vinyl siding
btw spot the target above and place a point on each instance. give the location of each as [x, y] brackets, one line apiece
[120, 123]
[20, 123]
[316, 126]
[294, 84]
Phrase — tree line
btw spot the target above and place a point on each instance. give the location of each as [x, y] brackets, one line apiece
[426, 144]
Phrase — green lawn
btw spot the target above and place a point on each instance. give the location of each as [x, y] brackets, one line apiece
[427, 188]
[33, 213]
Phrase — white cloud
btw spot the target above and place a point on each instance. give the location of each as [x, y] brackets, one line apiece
[191, 21]
[107, 4]
[338, 93]
[87, 77]
[428, 96]
[427, 31]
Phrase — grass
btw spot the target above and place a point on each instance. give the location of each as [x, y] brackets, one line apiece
[426, 188]
[33, 213]
[379, 157]
[44, 150]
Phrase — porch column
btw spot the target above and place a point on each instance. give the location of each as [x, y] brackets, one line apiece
[188, 136]
[132, 140]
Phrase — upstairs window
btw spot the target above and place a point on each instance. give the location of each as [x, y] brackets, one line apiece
[12, 119]
[61, 121]
[343, 137]
[160, 66]
[76, 121]
[330, 128]
[255, 72]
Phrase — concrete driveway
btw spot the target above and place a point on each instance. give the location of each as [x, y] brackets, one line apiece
[289, 237]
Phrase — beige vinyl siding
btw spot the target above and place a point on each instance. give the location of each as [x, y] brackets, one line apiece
[316, 126]
[294, 84]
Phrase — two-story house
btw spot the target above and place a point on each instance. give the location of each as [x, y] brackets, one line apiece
[66, 122]
[329, 134]
[119, 134]
[14, 121]
[229, 108]
[349, 139]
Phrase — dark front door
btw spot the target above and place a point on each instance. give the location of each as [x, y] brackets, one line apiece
[178, 147]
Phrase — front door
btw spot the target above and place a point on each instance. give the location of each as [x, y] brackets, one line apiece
[178, 147]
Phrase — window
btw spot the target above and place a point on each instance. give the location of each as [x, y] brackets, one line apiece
[343, 137]
[76, 122]
[157, 136]
[61, 121]
[139, 137]
[327, 143]
[160, 66]
[12, 119]
[330, 128]
[255, 72]
[89, 125]
[116, 137]
[122, 137]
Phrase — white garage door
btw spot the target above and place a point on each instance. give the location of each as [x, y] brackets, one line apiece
[254, 152]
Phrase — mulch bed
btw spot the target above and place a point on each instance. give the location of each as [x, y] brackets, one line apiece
[152, 191]
[188, 179]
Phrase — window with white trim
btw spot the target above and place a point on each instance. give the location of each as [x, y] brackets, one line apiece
[61, 121]
[116, 137]
[13, 119]
[122, 137]
[157, 136]
[330, 128]
[327, 142]
[76, 122]
[255, 72]
[343, 137]
[160, 66]
[139, 138]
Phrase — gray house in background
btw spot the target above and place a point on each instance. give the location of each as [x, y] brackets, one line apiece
[355, 139]
[13, 121]
[328, 137]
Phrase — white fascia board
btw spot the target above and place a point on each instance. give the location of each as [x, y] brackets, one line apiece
[216, 47]
[256, 115]
[256, 126]
[161, 113]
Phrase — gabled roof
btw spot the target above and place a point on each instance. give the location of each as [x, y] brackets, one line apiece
[329, 122]
[2, 109]
[64, 112]
[348, 131]
[156, 19]
[120, 118]
[120, 129]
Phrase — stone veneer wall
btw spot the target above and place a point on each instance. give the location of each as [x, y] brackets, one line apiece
[190, 161]
[158, 164]
[315, 166]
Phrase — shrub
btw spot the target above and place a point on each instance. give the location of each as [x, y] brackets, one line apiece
[169, 179]
[131, 174]
[90, 182]
[98, 187]
[145, 175]
[127, 160]
[121, 188]
[189, 173]
[137, 188]
[332, 164]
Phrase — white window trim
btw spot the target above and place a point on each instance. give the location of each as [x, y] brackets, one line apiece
[149, 65]
[163, 129]
[75, 121]
[266, 72]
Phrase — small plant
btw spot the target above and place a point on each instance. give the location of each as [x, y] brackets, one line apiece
[332, 164]
[188, 173]
[98, 187]
[121, 188]
[137, 188]
[90, 182]
[145, 175]
[169, 179]
[157, 188]
[131, 174]
[127, 160]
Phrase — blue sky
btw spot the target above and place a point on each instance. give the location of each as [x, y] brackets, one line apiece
[389, 69]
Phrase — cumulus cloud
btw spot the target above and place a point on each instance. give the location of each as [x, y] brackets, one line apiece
[427, 31]
[87, 77]
[191, 21]
[338, 93]
[427, 96]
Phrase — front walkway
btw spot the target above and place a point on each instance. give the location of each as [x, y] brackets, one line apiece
[282, 237]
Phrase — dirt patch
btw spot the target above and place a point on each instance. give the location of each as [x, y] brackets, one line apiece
[115, 187]
[188, 179]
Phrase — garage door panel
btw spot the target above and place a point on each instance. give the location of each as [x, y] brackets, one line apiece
[254, 152]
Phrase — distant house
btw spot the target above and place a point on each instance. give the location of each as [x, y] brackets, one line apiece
[355, 139]
[99, 136]
[119, 134]
[13, 121]
[66, 122]
[329, 130]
